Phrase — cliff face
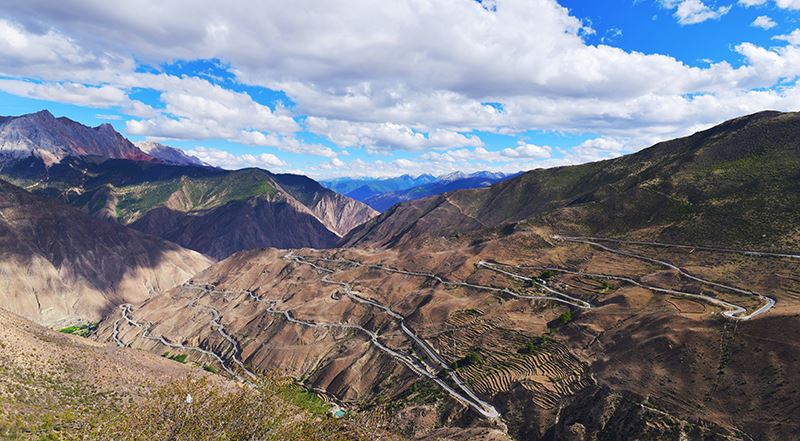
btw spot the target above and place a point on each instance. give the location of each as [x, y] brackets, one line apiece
[339, 213]
[60, 265]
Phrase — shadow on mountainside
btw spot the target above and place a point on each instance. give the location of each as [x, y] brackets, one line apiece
[67, 260]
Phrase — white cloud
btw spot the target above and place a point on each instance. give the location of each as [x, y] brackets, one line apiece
[387, 135]
[227, 160]
[51, 55]
[525, 150]
[749, 3]
[287, 144]
[793, 38]
[764, 22]
[72, 93]
[788, 4]
[694, 11]
[409, 75]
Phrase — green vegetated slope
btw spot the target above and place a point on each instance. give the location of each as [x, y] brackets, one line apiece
[217, 212]
[735, 184]
[183, 193]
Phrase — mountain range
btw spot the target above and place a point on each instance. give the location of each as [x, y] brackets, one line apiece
[161, 191]
[383, 193]
[608, 300]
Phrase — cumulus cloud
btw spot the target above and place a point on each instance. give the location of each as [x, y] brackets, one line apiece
[388, 135]
[227, 160]
[694, 11]
[525, 150]
[749, 3]
[793, 38]
[788, 4]
[285, 143]
[764, 22]
[401, 75]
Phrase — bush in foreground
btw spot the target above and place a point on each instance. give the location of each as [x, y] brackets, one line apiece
[197, 409]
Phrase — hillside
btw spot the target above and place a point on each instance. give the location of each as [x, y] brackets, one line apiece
[482, 312]
[59, 265]
[214, 211]
[47, 392]
[734, 184]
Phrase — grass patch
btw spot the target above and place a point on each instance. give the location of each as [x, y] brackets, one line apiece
[304, 399]
[473, 357]
[83, 330]
[180, 358]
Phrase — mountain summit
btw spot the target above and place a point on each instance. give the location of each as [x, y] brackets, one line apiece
[42, 135]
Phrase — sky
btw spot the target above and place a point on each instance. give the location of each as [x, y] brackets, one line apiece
[366, 88]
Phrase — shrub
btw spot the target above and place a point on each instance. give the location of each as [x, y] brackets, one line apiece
[229, 412]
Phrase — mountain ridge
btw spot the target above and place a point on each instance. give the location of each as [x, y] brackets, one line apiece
[703, 167]
[100, 171]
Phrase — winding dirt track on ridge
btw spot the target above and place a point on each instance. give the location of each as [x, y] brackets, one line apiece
[735, 312]
[127, 310]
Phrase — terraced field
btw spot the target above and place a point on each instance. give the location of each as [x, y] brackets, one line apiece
[546, 367]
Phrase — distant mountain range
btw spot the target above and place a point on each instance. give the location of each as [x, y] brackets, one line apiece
[382, 193]
[162, 191]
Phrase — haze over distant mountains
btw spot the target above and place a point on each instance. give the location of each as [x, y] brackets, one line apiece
[383, 193]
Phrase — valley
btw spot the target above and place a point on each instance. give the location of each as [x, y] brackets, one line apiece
[427, 320]
[536, 308]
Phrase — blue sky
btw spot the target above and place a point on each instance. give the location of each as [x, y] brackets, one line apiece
[433, 86]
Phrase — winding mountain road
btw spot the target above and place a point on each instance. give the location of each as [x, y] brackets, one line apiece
[735, 312]
[671, 245]
[471, 399]
[127, 310]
